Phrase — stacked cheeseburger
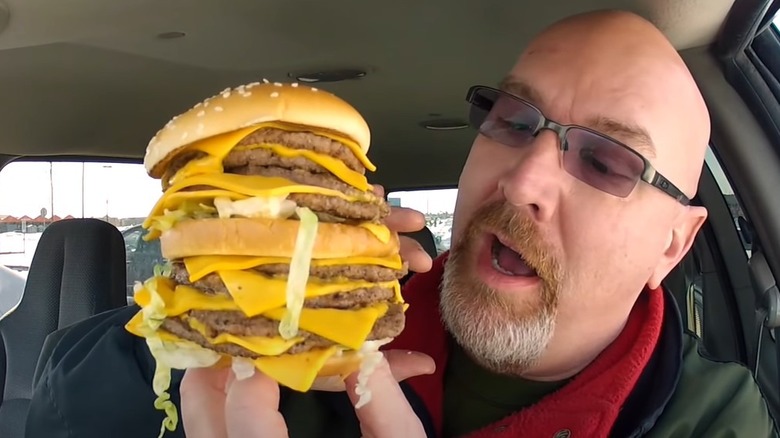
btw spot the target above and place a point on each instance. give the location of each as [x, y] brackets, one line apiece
[277, 256]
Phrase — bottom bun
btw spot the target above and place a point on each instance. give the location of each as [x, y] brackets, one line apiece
[336, 369]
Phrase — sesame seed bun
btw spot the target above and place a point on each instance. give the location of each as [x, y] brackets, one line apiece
[252, 104]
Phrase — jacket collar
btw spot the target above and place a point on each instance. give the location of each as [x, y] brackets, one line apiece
[618, 389]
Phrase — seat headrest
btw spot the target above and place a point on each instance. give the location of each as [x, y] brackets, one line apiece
[78, 270]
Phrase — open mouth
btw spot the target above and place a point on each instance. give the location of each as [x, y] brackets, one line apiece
[508, 261]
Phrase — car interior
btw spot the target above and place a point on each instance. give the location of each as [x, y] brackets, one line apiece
[89, 81]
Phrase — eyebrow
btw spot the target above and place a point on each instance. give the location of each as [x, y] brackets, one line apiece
[635, 136]
[520, 89]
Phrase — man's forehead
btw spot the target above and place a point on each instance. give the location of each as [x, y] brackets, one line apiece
[626, 132]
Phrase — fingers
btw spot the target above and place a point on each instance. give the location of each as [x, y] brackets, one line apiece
[388, 413]
[378, 190]
[252, 408]
[405, 220]
[203, 402]
[406, 364]
[415, 255]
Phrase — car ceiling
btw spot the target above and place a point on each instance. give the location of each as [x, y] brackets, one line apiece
[93, 77]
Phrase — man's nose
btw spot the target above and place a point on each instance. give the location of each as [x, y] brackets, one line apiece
[535, 179]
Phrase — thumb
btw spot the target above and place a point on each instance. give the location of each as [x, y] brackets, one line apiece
[252, 408]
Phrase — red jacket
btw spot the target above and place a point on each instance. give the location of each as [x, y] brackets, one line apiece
[586, 407]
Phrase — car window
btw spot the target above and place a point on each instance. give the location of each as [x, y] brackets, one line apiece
[437, 205]
[737, 214]
[33, 194]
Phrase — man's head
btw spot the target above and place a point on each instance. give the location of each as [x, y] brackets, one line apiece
[594, 233]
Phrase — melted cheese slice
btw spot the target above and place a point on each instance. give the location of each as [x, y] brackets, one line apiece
[294, 371]
[246, 185]
[218, 147]
[331, 164]
[257, 344]
[256, 294]
[298, 371]
[184, 298]
[201, 266]
[345, 327]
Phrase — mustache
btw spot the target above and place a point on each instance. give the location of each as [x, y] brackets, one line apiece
[518, 230]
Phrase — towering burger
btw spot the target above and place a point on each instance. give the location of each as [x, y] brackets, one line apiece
[278, 260]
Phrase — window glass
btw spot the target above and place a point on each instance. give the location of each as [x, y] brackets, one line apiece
[437, 206]
[728, 193]
[33, 194]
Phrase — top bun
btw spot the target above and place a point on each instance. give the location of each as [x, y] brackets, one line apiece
[252, 104]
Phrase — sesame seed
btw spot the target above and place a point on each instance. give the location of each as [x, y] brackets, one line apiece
[184, 135]
[205, 104]
[218, 109]
[277, 84]
[226, 94]
[246, 93]
[314, 89]
[265, 81]
[253, 84]
[295, 84]
[198, 105]
[200, 128]
[201, 113]
[274, 94]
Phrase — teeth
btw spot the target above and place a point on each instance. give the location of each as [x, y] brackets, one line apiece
[494, 259]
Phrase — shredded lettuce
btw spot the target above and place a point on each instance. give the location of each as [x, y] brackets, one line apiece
[163, 270]
[274, 207]
[168, 355]
[299, 272]
[242, 367]
[169, 218]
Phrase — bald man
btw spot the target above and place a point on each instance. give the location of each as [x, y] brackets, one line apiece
[572, 207]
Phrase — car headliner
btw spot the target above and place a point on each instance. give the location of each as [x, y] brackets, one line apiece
[93, 77]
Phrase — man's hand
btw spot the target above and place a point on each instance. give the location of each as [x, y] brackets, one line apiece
[216, 405]
[406, 220]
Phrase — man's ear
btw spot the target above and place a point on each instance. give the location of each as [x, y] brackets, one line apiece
[681, 240]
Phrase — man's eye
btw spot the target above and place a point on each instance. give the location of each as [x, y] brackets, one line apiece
[588, 156]
[517, 126]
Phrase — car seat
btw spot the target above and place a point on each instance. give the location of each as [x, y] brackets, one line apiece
[78, 270]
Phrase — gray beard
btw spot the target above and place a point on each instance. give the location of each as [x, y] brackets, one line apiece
[501, 336]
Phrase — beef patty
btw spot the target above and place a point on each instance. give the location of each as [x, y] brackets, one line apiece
[370, 273]
[234, 322]
[305, 140]
[212, 284]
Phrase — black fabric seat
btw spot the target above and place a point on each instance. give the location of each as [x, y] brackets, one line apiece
[78, 271]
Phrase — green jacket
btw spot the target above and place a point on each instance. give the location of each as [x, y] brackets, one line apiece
[97, 383]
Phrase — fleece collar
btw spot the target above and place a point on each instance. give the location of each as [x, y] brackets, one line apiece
[587, 406]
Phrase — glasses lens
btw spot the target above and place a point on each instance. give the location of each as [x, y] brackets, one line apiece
[502, 117]
[601, 162]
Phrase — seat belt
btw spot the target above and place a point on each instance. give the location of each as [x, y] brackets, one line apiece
[694, 293]
[767, 299]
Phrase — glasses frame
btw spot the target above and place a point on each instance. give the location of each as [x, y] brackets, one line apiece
[649, 174]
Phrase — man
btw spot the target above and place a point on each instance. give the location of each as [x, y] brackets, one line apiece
[554, 322]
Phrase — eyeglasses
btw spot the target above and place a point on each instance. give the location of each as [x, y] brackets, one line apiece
[591, 157]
